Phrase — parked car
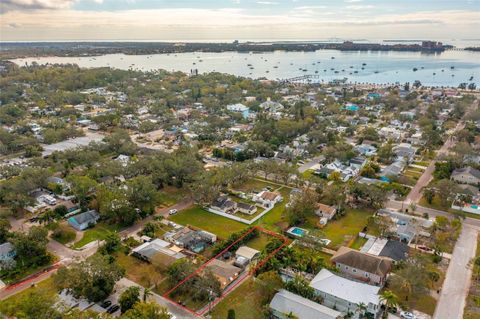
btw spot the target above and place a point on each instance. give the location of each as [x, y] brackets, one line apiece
[113, 308]
[106, 304]
[172, 211]
[407, 315]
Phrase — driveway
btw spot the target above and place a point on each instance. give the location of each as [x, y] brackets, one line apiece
[304, 167]
[458, 278]
[134, 229]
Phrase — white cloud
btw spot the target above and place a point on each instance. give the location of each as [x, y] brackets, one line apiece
[267, 2]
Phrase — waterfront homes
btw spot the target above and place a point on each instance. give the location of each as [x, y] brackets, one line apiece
[344, 294]
[362, 266]
[285, 305]
[466, 175]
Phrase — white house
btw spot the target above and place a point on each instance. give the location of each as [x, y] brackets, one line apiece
[345, 295]
[267, 199]
[285, 303]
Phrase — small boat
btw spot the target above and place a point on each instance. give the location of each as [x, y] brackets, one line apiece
[364, 64]
[415, 69]
[275, 67]
[333, 58]
[375, 72]
[452, 67]
[471, 78]
[316, 71]
[355, 71]
[336, 72]
[434, 73]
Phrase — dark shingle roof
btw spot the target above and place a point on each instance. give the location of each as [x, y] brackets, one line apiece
[366, 262]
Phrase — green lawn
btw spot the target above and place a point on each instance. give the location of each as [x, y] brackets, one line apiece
[141, 272]
[259, 242]
[254, 185]
[200, 218]
[99, 232]
[275, 220]
[342, 231]
[246, 300]
[358, 243]
[44, 287]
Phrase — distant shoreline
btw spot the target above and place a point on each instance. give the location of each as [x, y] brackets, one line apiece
[87, 48]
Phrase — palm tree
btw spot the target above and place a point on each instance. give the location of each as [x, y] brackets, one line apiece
[390, 299]
[361, 309]
[146, 293]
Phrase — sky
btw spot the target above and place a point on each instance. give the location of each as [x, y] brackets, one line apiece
[210, 20]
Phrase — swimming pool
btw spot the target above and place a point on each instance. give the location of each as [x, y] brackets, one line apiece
[297, 231]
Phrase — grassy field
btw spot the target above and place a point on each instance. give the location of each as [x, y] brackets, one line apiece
[45, 287]
[99, 232]
[141, 272]
[200, 218]
[358, 243]
[259, 242]
[342, 231]
[65, 234]
[246, 300]
[255, 185]
[275, 219]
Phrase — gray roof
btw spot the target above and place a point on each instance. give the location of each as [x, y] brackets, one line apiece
[5, 248]
[395, 250]
[467, 170]
[287, 302]
[87, 217]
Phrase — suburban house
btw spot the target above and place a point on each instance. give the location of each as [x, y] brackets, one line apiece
[158, 251]
[366, 149]
[246, 208]
[406, 151]
[224, 272]
[362, 266]
[224, 204]
[406, 227]
[345, 295]
[244, 255]
[194, 240]
[268, 199]
[271, 106]
[393, 249]
[84, 220]
[7, 252]
[285, 304]
[466, 175]
[325, 212]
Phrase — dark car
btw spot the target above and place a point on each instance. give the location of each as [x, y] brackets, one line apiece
[106, 304]
[113, 308]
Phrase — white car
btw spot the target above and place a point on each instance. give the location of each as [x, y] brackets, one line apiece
[407, 315]
[172, 211]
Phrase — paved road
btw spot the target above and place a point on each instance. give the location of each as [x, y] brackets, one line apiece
[178, 311]
[432, 213]
[304, 167]
[416, 193]
[134, 229]
[459, 274]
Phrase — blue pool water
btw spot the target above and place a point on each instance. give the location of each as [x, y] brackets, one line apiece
[298, 231]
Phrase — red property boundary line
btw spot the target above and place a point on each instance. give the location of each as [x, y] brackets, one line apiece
[230, 288]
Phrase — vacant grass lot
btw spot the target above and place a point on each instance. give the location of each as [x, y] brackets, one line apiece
[342, 231]
[200, 218]
[45, 287]
[99, 232]
[141, 272]
[246, 300]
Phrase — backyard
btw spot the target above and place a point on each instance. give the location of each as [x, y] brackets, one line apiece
[141, 272]
[246, 300]
[344, 230]
[98, 232]
[200, 218]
